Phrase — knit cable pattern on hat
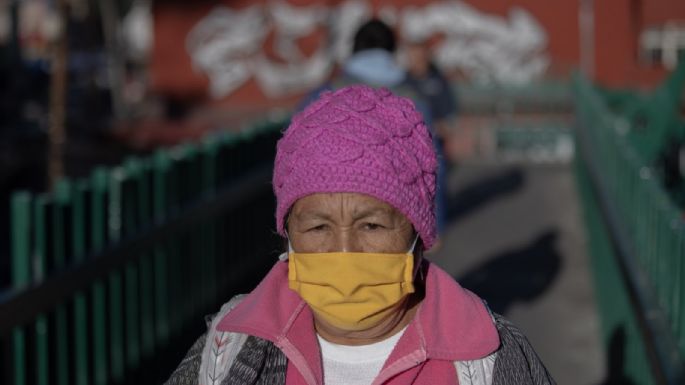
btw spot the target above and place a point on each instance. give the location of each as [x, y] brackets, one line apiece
[363, 140]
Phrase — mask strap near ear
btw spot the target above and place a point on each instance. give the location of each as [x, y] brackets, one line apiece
[417, 266]
[413, 244]
[284, 255]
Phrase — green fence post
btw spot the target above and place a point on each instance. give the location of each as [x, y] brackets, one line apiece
[129, 221]
[140, 170]
[160, 205]
[191, 187]
[680, 288]
[40, 259]
[210, 159]
[223, 171]
[80, 307]
[172, 180]
[114, 229]
[21, 276]
[184, 271]
[663, 237]
[21, 240]
[62, 202]
[675, 276]
[99, 181]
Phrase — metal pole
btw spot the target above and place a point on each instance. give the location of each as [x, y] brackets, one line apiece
[586, 21]
[58, 88]
[116, 66]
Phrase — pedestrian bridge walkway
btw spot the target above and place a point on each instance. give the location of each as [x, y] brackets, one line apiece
[516, 238]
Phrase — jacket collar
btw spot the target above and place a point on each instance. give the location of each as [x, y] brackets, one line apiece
[451, 324]
[275, 313]
[454, 322]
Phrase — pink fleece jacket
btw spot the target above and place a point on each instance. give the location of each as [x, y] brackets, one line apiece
[452, 324]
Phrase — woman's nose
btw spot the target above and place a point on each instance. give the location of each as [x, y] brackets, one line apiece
[345, 241]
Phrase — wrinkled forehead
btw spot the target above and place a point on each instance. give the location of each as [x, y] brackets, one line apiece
[343, 205]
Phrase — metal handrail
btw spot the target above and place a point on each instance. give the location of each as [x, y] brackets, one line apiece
[661, 347]
[659, 340]
[19, 306]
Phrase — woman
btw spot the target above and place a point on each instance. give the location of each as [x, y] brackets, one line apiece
[352, 301]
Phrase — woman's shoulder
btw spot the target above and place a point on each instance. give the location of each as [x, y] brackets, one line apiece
[225, 309]
[517, 362]
[211, 348]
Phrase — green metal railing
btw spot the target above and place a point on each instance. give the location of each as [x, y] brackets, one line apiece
[112, 275]
[548, 97]
[637, 241]
[542, 142]
[520, 123]
[650, 120]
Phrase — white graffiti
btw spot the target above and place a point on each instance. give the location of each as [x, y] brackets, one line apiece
[488, 48]
[344, 22]
[137, 30]
[223, 46]
[227, 44]
[298, 72]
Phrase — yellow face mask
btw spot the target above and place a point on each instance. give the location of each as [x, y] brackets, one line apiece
[351, 291]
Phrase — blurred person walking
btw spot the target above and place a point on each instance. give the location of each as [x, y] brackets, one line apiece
[372, 62]
[431, 84]
[424, 77]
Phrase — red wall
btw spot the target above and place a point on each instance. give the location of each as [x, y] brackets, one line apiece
[558, 18]
[618, 24]
[657, 11]
[617, 27]
[172, 71]
[173, 75]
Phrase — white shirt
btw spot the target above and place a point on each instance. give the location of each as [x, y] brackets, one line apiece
[355, 365]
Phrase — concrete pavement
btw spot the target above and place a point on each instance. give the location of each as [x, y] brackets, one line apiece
[516, 238]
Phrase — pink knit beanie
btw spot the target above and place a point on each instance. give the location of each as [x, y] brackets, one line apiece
[364, 140]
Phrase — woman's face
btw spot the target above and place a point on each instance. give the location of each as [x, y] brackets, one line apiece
[352, 222]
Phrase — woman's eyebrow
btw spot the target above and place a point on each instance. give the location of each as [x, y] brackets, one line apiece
[365, 213]
[309, 215]
[357, 215]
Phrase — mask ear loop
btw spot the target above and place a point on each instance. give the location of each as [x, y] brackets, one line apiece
[413, 244]
[418, 269]
[284, 255]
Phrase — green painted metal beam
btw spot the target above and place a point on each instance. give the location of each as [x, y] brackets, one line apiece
[21, 273]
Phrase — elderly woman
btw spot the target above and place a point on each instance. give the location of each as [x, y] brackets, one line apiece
[352, 301]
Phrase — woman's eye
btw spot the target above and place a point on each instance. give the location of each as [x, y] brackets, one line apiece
[317, 228]
[372, 226]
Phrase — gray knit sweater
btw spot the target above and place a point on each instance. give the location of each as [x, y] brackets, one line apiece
[260, 362]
